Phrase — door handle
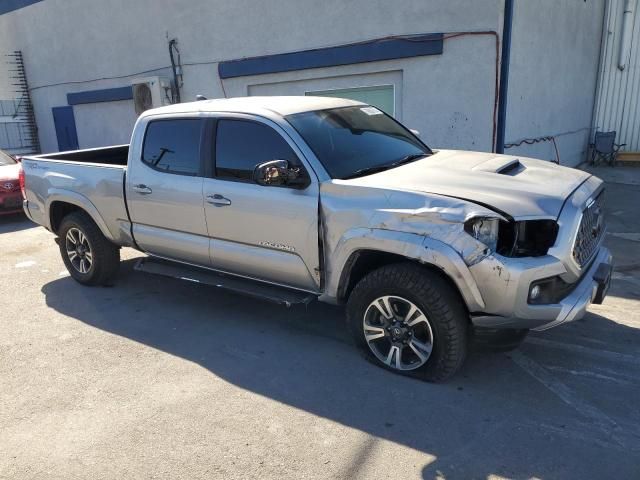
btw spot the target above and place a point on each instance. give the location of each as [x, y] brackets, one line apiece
[142, 189]
[218, 200]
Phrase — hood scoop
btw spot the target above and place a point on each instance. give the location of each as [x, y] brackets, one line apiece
[501, 166]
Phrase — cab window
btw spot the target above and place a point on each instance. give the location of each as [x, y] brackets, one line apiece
[173, 146]
[241, 145]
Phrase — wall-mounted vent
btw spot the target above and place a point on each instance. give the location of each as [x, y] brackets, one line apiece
[142, 97]
[150, 92]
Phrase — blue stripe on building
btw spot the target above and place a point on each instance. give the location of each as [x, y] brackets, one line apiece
[7, 6]
[103, 95]
[371, 51]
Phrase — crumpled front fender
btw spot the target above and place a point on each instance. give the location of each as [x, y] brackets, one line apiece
[426, 250]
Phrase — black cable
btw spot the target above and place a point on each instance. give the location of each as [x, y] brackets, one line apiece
[172, 45]
[546, 138]
[529, 141]
[77, 82]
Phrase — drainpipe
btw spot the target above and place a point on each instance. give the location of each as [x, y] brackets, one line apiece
[625, 34]
[504, 74]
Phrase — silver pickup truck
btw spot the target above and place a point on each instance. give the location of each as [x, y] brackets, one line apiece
[296, 198]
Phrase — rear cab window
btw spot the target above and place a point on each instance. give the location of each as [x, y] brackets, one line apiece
[173, 146]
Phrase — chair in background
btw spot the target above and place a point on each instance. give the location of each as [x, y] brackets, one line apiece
[605, 149]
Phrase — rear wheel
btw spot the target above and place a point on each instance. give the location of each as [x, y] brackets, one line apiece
[89, 256]
[408, 319]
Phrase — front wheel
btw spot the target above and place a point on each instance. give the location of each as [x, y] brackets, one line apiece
[89, 256]
[408, 319]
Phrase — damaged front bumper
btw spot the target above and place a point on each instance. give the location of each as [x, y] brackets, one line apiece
[505, 285]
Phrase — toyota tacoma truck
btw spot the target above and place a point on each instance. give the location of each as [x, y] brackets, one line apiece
[300, 198]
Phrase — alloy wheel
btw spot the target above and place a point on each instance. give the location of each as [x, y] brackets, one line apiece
[79, 250]
[398, 332]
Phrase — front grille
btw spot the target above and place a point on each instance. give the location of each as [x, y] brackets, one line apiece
[590, 231]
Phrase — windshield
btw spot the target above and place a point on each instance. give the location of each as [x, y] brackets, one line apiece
[356, 141]
[6, 159]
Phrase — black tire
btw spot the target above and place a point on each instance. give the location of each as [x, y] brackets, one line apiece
[440, 303]
[105, 255]
[497, 340]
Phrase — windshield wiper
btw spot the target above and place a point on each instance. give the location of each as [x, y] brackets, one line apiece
[408, 159]
[381, 168]
[367, 171]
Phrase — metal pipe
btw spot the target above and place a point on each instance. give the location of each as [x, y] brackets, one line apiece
[504, 75]
[625, 34]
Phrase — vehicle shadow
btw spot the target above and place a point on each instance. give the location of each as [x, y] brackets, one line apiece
[623, 231]
[15, 222]
[477, 425]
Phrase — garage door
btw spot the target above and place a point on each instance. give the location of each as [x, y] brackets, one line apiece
[380, 96]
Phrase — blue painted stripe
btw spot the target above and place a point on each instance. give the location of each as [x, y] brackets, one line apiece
[104, 95]
[371, 51]
[7, 6]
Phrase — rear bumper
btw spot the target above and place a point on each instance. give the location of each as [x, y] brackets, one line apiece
[591, 288]
[10, 203]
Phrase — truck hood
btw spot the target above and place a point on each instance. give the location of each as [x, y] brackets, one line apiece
[519, 187]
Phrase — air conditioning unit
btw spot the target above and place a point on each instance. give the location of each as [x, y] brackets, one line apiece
[150, 92]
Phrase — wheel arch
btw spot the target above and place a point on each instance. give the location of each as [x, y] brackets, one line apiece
[431, 254]
[60, 204]
[362, 262]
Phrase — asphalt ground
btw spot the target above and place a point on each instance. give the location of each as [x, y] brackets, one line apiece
[157, 378]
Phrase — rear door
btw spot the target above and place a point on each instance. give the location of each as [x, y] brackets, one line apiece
[264, 232]
[164, 191]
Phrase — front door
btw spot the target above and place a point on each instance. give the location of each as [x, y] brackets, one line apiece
[164, 191]
[264, 232]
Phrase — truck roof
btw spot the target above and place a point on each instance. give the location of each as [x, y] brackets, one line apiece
[283, 105]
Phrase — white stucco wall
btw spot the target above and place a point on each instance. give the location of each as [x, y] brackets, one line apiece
[449, 97]
[553, 73]
[79, 45]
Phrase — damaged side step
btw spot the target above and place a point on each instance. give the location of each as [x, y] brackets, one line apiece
[253, 288]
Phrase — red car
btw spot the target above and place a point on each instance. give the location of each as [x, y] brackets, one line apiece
[10, 196]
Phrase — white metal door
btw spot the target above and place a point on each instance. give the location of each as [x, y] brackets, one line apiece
[617, 104]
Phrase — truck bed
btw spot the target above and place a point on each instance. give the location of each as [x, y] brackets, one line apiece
[116, 155]
[91, 179]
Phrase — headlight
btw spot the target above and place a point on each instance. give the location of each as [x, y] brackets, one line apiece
[485, 230]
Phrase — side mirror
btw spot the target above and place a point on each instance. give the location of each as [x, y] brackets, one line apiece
[415, 132]
[279, 173]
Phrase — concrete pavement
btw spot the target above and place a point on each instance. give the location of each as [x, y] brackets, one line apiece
[155, 378]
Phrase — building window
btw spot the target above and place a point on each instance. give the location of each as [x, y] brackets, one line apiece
[381, 96]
